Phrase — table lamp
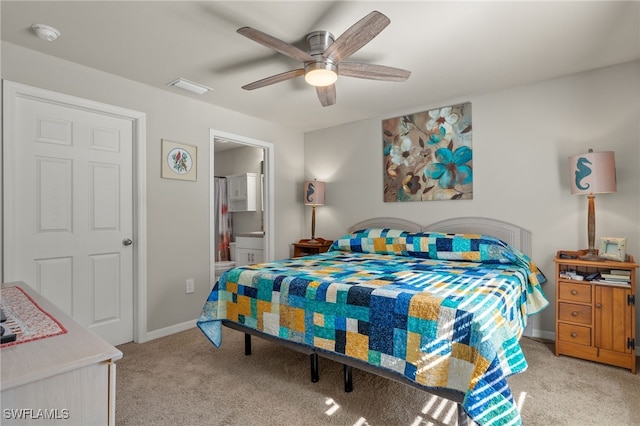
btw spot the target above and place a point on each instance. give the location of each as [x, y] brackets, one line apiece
[592, 173]
[313, 196]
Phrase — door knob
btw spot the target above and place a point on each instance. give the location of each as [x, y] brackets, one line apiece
[127, 242]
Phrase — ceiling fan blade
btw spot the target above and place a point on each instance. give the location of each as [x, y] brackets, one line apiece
[275, 44]
[274, 79]
[372, 71]
[327, 95]
[356, 36]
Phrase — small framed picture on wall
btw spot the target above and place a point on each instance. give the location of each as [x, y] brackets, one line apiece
[179, 160]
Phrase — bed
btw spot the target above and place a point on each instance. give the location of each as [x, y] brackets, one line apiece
[439, 307]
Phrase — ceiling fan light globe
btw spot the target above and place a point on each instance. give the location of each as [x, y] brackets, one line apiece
[321, 77]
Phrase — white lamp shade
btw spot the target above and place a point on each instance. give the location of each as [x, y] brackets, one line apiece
[593, 173]
[314, 193]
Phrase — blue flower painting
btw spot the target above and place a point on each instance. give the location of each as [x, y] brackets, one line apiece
[429, 155]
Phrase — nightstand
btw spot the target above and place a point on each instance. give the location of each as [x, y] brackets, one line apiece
[305, 248]
[596, 316]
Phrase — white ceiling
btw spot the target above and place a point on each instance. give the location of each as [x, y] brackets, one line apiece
[454, 49]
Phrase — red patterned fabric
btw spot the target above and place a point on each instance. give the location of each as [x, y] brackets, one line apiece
[25, 318]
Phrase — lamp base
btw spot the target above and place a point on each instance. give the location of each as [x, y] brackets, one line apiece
[590, 256]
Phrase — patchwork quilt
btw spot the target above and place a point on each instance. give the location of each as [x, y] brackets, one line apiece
[443, 310]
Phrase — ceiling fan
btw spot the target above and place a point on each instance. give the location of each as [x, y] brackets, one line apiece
[323, 61]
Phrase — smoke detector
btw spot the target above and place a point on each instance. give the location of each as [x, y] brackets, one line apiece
[46, 32]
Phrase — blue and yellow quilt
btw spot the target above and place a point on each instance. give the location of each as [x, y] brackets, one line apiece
[443, 310]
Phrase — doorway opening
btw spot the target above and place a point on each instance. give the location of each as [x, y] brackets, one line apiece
[236, 158]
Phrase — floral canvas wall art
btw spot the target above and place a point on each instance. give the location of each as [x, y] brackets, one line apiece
[428, 155]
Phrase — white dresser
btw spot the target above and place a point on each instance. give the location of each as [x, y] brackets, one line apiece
[69, 379]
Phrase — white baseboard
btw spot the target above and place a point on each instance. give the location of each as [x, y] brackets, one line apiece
[537, 333]
[168, 331]
[542, 334]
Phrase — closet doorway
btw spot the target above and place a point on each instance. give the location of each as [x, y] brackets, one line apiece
[233, 155]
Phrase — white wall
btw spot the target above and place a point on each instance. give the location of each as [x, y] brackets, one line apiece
[522, 139]
[174, 256]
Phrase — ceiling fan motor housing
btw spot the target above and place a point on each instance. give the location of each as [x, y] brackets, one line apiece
[319, 41]
[320, 65]
[322, 71]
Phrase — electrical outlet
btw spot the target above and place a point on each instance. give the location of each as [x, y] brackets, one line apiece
[191, 286]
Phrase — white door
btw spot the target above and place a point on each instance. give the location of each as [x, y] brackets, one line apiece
[68, 211]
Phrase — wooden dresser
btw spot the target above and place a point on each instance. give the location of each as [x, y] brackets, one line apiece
[595, 319]
[59, 380]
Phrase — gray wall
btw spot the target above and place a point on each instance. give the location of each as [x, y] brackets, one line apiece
[172, 258]
[522, 139]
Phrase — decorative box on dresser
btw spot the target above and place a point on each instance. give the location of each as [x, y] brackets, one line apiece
[68, 379]
[595, 319]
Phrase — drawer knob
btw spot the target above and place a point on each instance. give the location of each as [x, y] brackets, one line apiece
[598, 305]
[574, 314]
[574, 334]
[574, 292]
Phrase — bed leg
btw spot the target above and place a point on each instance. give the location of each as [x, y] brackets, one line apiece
[348, 378]
[463, 419]
[247, 344]
[314, 367]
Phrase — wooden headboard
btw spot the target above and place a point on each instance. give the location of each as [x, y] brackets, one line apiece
[517, 236]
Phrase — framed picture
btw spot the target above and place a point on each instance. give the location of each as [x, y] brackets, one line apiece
[613, 248]
[428, 156]
[179, 161]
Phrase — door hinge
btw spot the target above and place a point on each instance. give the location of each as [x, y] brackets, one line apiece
[631, 300]
[631, 343]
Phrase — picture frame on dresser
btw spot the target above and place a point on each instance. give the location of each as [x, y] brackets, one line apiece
[612, 248]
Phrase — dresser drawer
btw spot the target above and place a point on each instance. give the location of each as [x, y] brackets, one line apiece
[574, 292]
[574, 313]
[574, 334]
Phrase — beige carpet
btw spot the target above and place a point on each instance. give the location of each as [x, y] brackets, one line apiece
[184, 380]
